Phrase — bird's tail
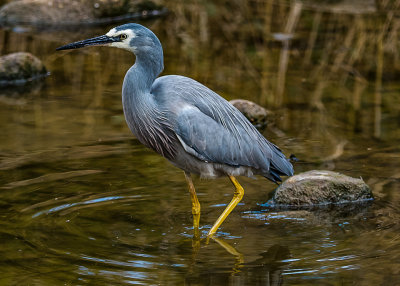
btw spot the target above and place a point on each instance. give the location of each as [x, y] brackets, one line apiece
[279, 166]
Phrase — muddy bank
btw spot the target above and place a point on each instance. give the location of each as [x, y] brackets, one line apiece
[75, 12]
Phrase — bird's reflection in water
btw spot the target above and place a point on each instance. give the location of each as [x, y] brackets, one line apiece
[239, 260]
[266, 270]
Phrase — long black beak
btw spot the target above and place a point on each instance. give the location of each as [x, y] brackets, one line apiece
[101, 40]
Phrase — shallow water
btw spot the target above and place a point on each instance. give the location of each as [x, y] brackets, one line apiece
[83, 202]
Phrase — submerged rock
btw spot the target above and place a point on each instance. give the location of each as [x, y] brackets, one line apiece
[320, 188]
[19, 68]
[73, 12]
[257, 114]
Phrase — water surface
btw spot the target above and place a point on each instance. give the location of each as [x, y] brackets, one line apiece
[83, 202]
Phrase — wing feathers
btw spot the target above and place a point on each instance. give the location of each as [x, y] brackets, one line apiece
[212, 129]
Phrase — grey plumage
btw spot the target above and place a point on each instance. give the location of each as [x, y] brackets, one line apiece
[183, 120]
[212, 130]
[186, 122]
[174, 112]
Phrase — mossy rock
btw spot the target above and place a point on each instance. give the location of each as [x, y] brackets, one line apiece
[316, 187]
[19, 68]
[255, 113]
[72, 12]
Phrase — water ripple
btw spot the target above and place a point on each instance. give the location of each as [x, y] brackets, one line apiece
[345, 257]
[130, 264]
[91, 202]
[298, 271]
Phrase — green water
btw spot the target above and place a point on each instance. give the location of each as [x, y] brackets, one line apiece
[83, 202]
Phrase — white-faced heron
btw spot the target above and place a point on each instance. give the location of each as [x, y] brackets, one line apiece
[186, 122]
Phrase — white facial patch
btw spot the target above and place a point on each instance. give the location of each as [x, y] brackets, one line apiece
[112, 32]
[125, 44]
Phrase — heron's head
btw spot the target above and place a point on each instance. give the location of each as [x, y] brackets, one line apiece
[132, 37]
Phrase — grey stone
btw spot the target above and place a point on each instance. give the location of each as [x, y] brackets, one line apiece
[257, 114]
[19, 68]
[320, 188]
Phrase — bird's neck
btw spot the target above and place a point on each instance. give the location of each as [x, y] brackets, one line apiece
[137, 99]
[136, 90]
[142, 114]
[145, 70]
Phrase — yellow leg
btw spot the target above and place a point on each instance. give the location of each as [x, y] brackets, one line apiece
[195, 203]
[237, 196]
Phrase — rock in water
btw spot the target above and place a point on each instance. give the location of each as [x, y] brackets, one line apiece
[257, 114]
[19, 68]
[320, 188]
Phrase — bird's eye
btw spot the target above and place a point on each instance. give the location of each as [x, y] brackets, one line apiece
[123, 37]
